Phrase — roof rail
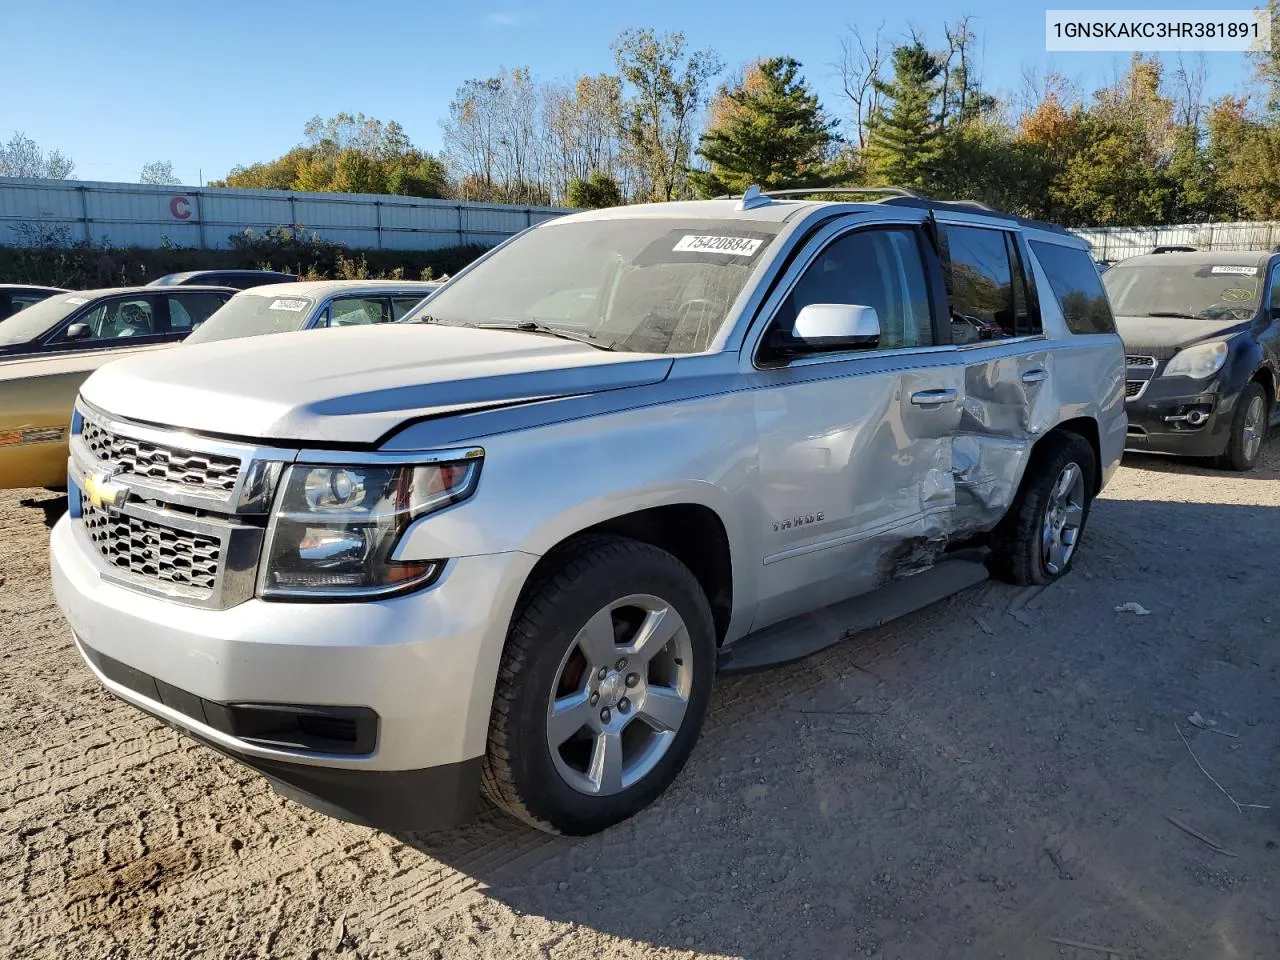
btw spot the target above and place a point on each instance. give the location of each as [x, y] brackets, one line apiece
[803, 192]
[893, 196]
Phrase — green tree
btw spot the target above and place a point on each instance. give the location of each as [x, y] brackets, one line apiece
[667, 87]
[768, 129]
[596, 190]
[348, 153]
[903, 142]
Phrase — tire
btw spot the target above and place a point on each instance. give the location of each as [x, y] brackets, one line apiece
[1018, 544]
[1245, 441]
[594, 594]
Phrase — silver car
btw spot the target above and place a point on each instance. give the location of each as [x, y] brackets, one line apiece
[506, 546]
[311, 305]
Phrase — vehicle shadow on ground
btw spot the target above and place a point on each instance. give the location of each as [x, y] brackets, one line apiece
[891, 796]
[1267, 468]
[54, 506]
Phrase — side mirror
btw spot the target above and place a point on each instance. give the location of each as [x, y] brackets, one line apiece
[837, 326]
[196, 325]
[77, 331]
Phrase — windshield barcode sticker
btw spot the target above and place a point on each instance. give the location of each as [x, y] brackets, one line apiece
[1236, 271]
[293, 306]
[738, 246]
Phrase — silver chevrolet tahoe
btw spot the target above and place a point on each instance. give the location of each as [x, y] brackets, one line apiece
[504, 547]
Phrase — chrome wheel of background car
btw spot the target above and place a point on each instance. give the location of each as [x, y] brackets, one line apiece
[1063, 515]
[620, 695]
[1253, 428]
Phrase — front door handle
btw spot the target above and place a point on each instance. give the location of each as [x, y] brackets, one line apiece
[931, 398]
[1035, 376]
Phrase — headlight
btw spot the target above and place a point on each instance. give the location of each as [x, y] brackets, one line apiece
[334, 528]
[1198, 362]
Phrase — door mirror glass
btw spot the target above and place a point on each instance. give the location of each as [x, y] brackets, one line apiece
[837, 326]
[77, 331]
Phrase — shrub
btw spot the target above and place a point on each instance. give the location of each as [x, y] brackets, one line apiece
[49, 256]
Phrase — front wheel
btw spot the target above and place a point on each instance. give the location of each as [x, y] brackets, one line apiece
[603, 686]
[1248, 430]
[1037, 539]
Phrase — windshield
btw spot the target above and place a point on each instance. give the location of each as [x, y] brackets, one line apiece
[1199, 291]
[635, 284]
[39, 318]
[250, 315]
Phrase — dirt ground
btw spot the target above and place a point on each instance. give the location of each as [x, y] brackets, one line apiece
[996, 776]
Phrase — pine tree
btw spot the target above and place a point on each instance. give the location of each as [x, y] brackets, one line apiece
[769, 129]
[903, 142]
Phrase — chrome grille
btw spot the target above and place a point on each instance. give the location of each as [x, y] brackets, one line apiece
[153, 551]
[1133, 387]
[163, 463]
[1135, 361]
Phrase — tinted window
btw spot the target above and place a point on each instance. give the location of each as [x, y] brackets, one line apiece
[1275, 293]
[119, 320]
[188, 309]
[881, 269]
[986, 304]
[1076, 284]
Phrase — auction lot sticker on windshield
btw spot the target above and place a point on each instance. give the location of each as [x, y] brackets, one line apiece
[1235, 271]
[293, 306]
[737, 246]
[75, 300]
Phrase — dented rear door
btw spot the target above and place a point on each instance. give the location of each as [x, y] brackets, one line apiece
[855, 465]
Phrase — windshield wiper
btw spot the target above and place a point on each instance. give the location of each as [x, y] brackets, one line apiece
[1173, 313]
[532, 326]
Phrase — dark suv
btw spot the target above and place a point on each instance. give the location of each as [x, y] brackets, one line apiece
[240, 279]
[1202, 344]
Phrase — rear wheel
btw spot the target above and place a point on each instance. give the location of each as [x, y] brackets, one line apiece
[1248, 430]
[602, 689]
[1036, 541]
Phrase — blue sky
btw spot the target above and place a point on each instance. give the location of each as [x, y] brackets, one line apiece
[210, 85]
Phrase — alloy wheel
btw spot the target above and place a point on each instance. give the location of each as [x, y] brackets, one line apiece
[1063, 517]
[620, 695]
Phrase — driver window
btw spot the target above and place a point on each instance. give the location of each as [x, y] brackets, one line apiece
[119, 320]
[878, 268]
[1275, 294]
[355, 312]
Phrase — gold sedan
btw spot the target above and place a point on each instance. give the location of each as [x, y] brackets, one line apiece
[49, 349]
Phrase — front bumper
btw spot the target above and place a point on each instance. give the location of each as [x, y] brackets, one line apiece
[1150, 430]
[424, 663]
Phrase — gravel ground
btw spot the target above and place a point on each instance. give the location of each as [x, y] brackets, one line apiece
[996, 776]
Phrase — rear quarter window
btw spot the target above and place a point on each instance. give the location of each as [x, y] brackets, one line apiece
[1078, 287]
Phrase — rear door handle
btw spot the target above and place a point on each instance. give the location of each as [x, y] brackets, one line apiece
[931, 398]
[1035, 376]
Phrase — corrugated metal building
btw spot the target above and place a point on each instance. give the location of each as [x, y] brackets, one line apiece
[143, 215]
[1116, 243]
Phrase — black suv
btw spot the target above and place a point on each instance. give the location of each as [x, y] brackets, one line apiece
[1202, 343]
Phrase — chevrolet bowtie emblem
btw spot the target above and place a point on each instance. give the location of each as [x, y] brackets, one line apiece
[101, 491]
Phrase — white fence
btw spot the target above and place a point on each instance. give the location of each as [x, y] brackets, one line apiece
[1116, 243]
[141, 215]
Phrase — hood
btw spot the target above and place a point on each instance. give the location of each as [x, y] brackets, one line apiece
[1162, 337]
[354, 385]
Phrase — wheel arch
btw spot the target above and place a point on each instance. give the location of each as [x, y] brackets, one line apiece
[1266, 378]
[692, 532]
[1087, 428]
